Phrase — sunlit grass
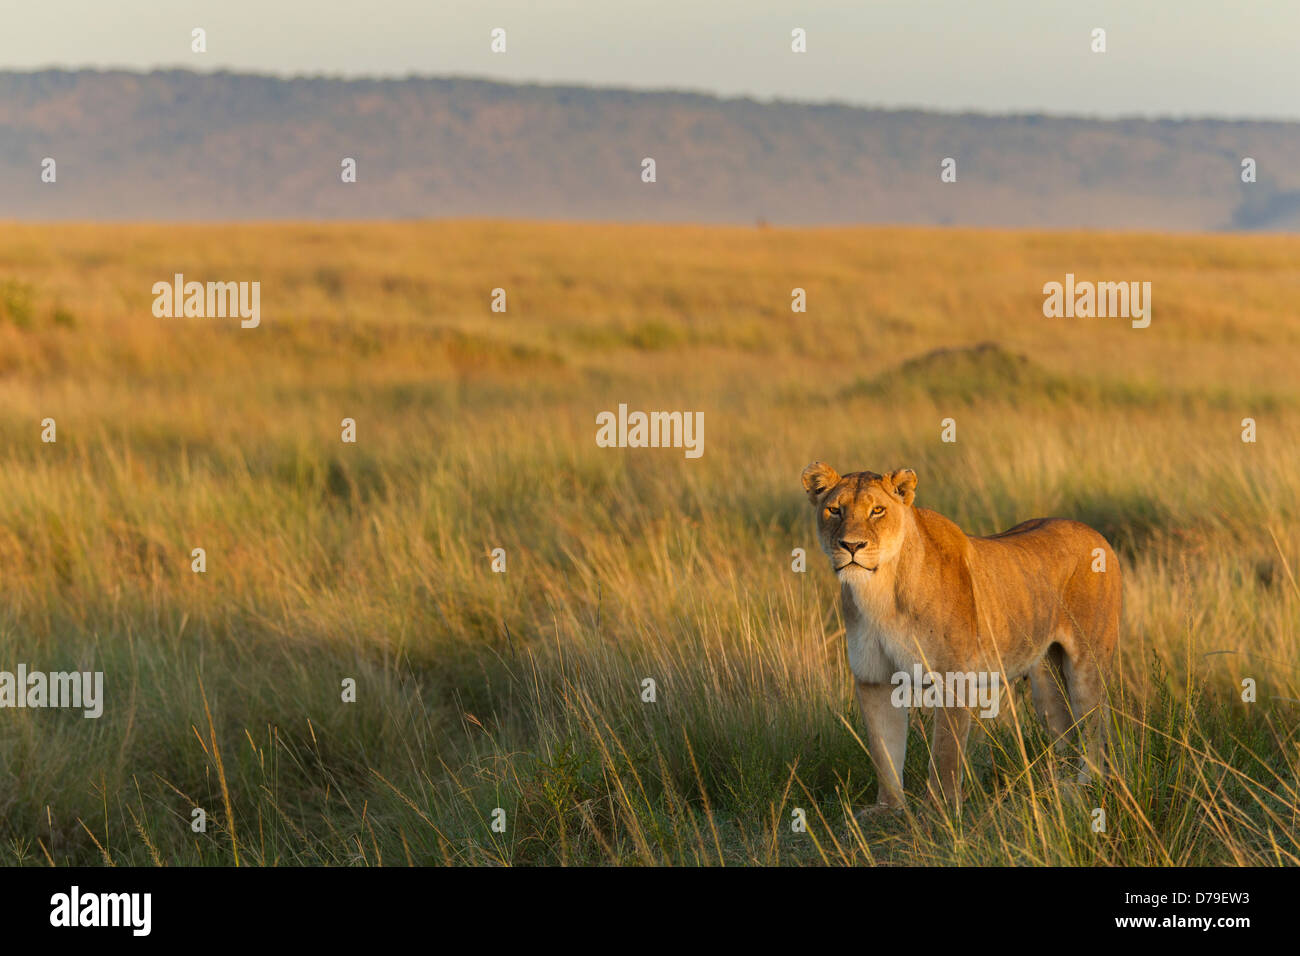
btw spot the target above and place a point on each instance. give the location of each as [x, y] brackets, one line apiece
[522, 691]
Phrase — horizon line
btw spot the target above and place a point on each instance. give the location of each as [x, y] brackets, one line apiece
[414, 76]
[750, 226]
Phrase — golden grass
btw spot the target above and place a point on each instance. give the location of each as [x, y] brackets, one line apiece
[476, 430]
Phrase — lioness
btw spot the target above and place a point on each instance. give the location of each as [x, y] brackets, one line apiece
[1042, 599]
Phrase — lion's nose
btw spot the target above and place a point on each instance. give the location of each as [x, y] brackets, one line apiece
[852, 546]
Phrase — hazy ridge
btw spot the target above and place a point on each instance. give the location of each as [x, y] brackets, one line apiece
[186, 146]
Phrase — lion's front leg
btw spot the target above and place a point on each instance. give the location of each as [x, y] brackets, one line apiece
[951, 728]
[886, 740]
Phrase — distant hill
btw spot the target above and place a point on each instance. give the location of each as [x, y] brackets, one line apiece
[185, 146]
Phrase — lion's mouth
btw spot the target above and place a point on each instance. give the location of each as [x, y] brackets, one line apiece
[855, 564]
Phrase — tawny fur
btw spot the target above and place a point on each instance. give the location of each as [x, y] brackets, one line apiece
[1031, 601]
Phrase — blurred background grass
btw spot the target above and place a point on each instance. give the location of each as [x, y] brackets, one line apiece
[476, 430]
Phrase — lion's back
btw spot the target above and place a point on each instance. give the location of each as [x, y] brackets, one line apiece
[1042, 577]
[1062, 573]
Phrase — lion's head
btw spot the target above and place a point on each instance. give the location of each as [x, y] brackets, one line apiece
[860, 517]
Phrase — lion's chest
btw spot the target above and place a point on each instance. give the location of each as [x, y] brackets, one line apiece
[879, 642]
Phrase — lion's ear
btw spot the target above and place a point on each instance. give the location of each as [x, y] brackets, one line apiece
[904, 482]
[819, 478]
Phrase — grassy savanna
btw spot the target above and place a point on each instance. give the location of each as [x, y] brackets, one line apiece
[522, 690]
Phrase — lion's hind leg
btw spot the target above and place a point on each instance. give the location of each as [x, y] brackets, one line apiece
[1047, 685]
[1086, 685]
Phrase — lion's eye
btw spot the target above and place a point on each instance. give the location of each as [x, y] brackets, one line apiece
[833, 511]
[878, 510]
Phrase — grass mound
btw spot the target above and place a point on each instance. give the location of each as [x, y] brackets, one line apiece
[971, 374]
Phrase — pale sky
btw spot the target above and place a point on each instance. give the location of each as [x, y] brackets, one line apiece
[1225, 58]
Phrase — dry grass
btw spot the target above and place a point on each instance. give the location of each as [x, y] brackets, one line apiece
[522, 691]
